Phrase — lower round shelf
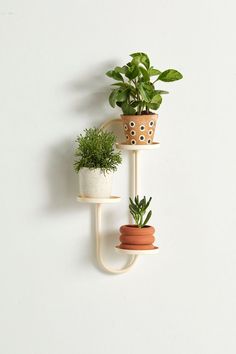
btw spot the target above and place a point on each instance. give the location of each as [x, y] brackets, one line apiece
[112, 199]
[137, 252]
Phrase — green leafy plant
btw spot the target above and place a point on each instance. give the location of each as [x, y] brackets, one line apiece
[135, 92]
[96, 150]
[138, 209]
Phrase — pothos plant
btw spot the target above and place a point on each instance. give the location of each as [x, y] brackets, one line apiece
[135, 87]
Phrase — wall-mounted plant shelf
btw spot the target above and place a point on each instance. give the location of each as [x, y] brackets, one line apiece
[132, 254]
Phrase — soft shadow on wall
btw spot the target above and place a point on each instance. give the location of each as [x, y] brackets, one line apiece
[89, 104]
[109, 239]
[90, 96]
[61, 178]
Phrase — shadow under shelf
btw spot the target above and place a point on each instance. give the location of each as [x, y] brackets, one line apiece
[137, 252]
[135, 147]
[112, 199]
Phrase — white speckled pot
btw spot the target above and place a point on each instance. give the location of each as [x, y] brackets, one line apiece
[94, 184]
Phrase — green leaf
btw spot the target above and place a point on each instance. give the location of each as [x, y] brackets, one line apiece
[133, 92]
[114, 75]
[117, 96]
[131, 201]
[136, 218]
[156, 99]
[141, 58]
[147, 218]
[170, 75]
[122, 95]
[125, 85]
[121, 84]
[124, 68]
[121, 70]
[127, 109]
[113, 98]
[143, 205]
[140, 107]
[133, 209]
[144, 73]
[153, 72]
[149, 201]
[135, 103]
[143, 92]
[153, 106]
[161, 92]
[146, 91]
[132, 72]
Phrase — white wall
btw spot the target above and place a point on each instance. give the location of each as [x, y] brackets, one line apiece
[53, 299]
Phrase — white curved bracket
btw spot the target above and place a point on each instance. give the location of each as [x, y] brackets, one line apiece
[132, 258]
[98, 248]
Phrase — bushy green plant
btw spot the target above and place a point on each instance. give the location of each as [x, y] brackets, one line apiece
[138, 209]
[96, 150]
[134, 90]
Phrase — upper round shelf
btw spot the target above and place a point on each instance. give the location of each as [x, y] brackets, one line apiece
[124, 146]
[112, 199]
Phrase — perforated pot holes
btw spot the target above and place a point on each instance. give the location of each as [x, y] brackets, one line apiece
[132, 124]
[142, 138]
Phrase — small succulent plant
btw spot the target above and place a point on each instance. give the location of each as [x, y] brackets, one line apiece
[138, 209]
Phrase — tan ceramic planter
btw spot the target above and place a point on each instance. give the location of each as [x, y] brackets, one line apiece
[134, 238]
[139, 129]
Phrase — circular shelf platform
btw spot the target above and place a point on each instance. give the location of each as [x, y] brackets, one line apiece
[137, 252]
[112, 199]
[124, 146]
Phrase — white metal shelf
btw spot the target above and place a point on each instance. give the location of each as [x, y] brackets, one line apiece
[136, 147]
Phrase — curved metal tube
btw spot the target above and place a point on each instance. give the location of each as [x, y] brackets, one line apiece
[132, 259]
[98, 248]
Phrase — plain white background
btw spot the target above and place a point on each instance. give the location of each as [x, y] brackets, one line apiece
[53, 299]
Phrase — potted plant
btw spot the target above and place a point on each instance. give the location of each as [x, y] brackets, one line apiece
[96, 162]
[135, 93]
[139, 236]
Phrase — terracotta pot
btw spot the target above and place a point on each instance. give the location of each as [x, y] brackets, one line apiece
[131, 230]
[136, 247]
[134, 240]
[139, 129]
[133, 237]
